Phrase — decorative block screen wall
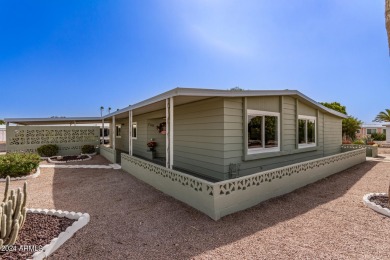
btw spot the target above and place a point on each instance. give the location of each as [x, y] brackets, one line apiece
[69, 139]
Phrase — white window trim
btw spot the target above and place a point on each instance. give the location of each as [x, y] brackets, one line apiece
[263, 150]
[315, 131]
[116, 132]
[136, 129]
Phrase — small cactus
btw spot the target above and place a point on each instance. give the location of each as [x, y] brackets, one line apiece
[12, 213]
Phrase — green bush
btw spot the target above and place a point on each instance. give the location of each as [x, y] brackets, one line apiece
[18, 164]
[47, 150]
[378, 137]
[88, 148]
[359, 142]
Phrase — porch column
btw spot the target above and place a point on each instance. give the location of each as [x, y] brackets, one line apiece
[103, 130]
[131, 132]
[113, 132]
[169, 133]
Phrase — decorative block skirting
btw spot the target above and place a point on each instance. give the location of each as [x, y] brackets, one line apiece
[226, 197]
[31, 176]
[82, 219]
[373, 206]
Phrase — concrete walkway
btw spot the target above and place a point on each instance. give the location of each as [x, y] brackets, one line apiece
[81, 166]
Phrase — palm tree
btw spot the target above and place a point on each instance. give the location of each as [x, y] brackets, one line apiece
[383, 116]
[109, 110]
[101, 111]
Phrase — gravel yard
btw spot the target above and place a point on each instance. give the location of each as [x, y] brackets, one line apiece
[131, 220]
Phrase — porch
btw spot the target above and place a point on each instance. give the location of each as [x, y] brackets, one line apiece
[218, 199]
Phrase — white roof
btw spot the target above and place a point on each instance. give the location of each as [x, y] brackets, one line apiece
[186, 95]
[198, 92]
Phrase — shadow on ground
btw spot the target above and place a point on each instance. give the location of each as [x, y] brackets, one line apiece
[132, 220]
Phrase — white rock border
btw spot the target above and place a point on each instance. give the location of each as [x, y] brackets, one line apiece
[82, 219]
[51, 161]
[373, 206]
[31, 176]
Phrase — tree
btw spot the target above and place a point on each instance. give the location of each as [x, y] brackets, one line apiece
[387, 14]
[2, 122]
[350, 124]
[335, 106]
[383, 116]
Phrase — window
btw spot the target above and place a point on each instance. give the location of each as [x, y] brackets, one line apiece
[371, 131]
[118, 131]
[384, 131]
[134, 130]
[358, 131]
[306, 131]
[263, 131]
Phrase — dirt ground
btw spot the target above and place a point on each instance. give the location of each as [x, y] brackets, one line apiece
[132, 220]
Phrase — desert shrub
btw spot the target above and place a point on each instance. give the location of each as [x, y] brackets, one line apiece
[378, 137]
[18, 164]
[47, 150]
[359, 142]
[88, 148]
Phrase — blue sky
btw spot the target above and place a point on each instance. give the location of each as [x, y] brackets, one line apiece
[67, 58]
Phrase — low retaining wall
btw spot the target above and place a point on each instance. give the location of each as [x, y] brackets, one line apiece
[371, 150]
[107, 153]
[226, 197]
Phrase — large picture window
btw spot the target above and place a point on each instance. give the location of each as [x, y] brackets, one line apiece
[263, 131]
[306, 131]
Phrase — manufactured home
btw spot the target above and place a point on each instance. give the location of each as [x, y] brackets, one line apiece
[221, 151]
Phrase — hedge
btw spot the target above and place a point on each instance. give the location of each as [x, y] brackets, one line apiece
[18, 164]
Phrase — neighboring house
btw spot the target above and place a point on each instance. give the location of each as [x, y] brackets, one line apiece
[387, 130]
[213, 147]
[2, 133]
[368, 129]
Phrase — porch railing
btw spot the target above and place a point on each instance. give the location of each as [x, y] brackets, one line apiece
[107, 153]
[222, 198]
[371, 150]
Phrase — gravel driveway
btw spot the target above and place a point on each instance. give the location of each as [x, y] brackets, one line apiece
[131, 220]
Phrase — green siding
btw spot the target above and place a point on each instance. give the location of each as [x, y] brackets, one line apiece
[199, 137]
[289, 154]
[270, 104]
[122, 143]
[306, 110]
[146, 130]
[332, 135]
[209, 135]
